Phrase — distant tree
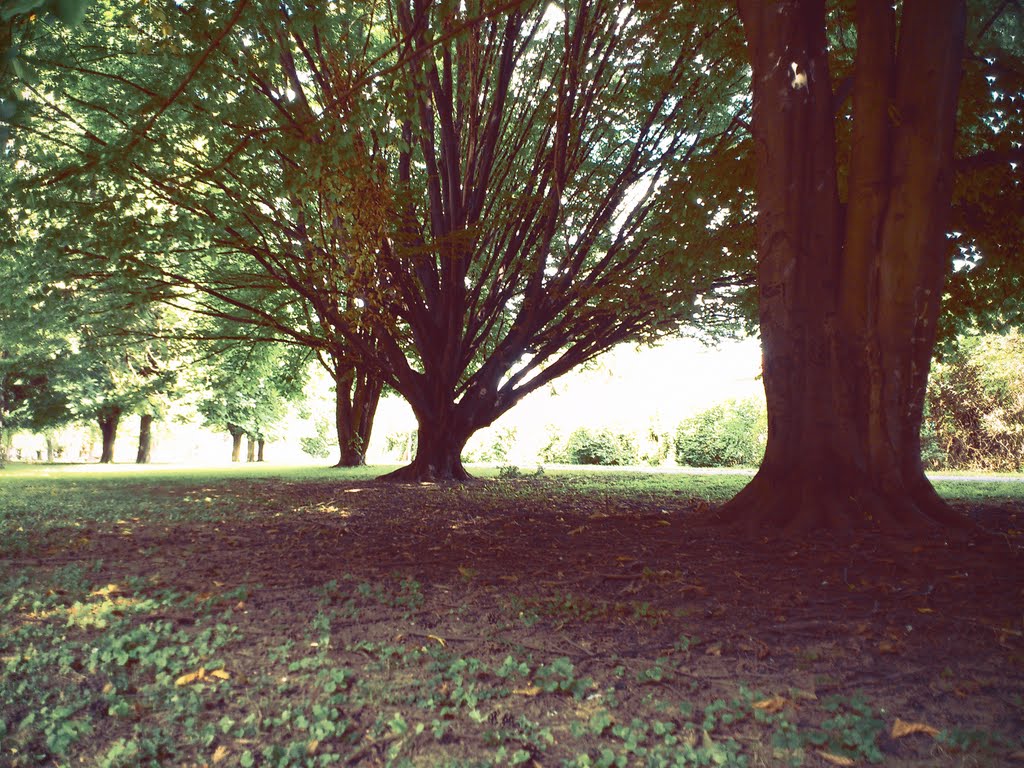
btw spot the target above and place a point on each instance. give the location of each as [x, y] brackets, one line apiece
[247, 388]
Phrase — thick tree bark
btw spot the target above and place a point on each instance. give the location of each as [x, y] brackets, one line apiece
[440, 440]
[250, 448]
[236, 433]
[108, 419]
[145, 439]
[849, 295]
[261, 445]
[357, 394]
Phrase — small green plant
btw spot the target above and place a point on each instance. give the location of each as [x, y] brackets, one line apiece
[560, 676]
[852, 730]
[509, 472]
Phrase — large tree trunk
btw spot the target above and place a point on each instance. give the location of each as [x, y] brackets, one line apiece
[250, 448]
[108, 419]
[145, 439]
[849, 295]
[237, 433]
[261, 445]
[440, 440]
[356, 397]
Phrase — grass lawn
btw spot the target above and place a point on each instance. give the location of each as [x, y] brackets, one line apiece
[267, 616]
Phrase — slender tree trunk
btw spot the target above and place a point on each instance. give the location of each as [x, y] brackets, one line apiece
[51, 447]
[108, 420]
[236, 433]
[849, 295]
[260, 446]
[357, 395]
[250, 448]
[145, 439]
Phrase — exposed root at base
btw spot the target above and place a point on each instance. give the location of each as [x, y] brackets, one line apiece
[785, 505]
[415, 473]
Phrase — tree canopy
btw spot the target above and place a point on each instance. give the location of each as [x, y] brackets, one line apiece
[463, 201]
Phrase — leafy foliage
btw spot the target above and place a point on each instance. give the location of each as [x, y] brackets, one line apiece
[730, 434]
[601, 446]
[247, 387]
[975, 405]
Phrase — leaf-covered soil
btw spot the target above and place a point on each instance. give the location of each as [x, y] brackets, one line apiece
[539, 621]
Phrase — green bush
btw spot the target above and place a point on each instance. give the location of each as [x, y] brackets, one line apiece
[730, 434]
[599, 446]
[974, 416]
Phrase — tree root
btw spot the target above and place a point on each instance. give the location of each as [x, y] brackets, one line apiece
[790, 504]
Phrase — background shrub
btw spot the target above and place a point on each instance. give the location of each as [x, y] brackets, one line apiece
[601, 446]
[974, 416]
[591, 446]
[730, 434]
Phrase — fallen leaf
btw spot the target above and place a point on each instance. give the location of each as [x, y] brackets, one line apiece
[312, 746]
[439, 640]
[467, 573]
[532, 690]
[926, 610]
[902, 728]
[221, 674]
[220, 753]
[828, 757]
[191, 677]
[579, 530]
[774, 704]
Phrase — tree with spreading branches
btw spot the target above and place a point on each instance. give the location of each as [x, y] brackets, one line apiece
[460, 201]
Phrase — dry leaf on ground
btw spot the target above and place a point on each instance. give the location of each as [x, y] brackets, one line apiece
[902, 728]
[828, 757]
[774, 704]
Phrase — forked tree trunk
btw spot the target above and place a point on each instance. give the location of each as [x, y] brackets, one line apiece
[250, 448]
[108, 419]
[261, 444]
[849, 295]
[439, 446]
[236, 433]
[145, 439]
[356, 397]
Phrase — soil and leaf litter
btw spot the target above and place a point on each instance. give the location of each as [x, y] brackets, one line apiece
[567, 619]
